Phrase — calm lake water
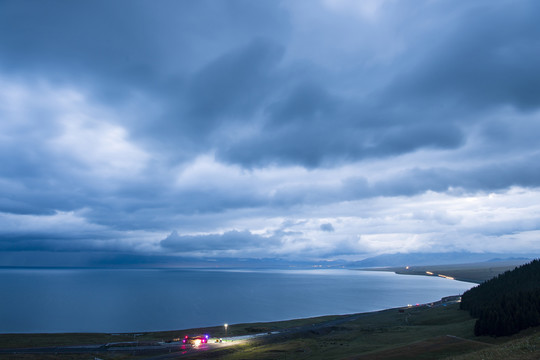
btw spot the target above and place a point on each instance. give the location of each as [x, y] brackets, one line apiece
[112, 300]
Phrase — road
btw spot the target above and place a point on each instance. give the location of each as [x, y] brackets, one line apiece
[161, 350]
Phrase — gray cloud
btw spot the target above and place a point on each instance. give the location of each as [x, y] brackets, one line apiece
[232, 86]
[327, 227]
[489, 177]
[125, 39]
[231, 240]
[211, 117]
[484, 59]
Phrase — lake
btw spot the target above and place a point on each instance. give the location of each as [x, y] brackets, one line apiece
[126, 300]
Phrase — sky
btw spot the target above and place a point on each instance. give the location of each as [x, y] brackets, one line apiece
[137, 131]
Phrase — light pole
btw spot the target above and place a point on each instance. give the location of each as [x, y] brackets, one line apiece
[226, 326]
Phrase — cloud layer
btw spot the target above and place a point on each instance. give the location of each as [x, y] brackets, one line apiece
[303, 130]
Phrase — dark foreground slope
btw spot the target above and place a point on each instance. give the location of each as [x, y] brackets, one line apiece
[442, 331]
[506, 304]
[437, 332]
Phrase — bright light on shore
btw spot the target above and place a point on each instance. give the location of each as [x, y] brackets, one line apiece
[446, 277]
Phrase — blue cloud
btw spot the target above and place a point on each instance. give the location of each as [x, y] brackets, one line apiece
[327, 227]
[294, 122]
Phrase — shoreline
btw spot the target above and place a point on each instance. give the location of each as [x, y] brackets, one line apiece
[250, 329]
[352, 292]
[425, 330]
[475, 273]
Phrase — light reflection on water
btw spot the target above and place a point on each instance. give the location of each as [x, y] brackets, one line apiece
[113, 300]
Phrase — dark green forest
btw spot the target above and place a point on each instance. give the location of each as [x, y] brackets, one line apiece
[507, 303]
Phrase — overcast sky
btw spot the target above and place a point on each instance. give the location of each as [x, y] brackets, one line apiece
[316, 129]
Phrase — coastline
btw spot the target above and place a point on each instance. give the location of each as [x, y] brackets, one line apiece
[433, 331]
[233, 331]
[475, 273]
[228, 297]
[418, 329]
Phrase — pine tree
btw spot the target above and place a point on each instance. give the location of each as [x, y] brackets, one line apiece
[506, 304]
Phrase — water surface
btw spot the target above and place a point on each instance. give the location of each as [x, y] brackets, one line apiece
[112, 300]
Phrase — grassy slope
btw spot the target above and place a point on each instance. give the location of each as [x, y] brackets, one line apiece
[416, 333]
[69, 339]
[373, 333]
[524, 346]
[421, 333]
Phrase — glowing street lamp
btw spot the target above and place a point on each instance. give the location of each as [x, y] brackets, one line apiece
[226, 326]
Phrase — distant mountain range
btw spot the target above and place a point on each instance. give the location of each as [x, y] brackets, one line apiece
[411, 259]
[385, 260]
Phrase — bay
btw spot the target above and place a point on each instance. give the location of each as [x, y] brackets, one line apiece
[133, 300]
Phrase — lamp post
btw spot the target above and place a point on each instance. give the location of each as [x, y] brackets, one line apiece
[226, 326]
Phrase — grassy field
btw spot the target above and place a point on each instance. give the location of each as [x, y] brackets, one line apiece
[372, 334]
[442, 332]
[524, 346]
[70, 339]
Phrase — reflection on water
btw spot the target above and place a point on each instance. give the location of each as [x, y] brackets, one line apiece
[112, 300]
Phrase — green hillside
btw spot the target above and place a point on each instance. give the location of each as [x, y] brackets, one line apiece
[507, 303]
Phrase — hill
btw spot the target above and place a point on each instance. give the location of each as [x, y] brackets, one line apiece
[506, 304]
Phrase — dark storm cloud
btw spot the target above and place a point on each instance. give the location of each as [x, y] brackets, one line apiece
[144, 117]
[138, 209]
[231, 240]
[55, 241]
[126, 39]
[216, 80]
[485, 59]
[76, 39]
[488, 177]
[311, 126]
[488, 57]
[204, 63]
[232, 86]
